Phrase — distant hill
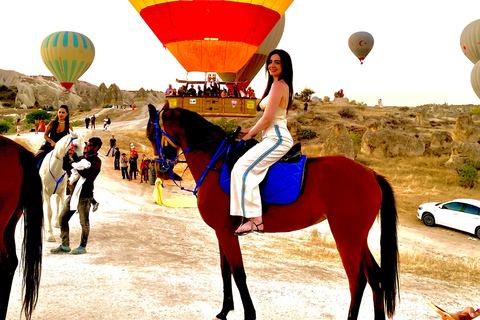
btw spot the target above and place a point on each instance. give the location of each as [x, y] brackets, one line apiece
[22, 91]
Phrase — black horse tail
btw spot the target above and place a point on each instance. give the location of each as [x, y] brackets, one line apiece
[31, 198]
[389, 246]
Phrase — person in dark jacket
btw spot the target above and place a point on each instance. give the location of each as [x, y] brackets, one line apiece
[117, 159]
[81, 196]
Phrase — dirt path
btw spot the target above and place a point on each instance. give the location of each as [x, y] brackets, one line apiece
[145, 261]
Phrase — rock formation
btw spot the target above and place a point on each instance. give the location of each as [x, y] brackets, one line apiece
[339, 142]
[390, 143]
[465, 130]
[45, 91]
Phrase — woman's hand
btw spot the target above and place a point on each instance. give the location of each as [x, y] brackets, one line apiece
[466, 314]
[53, 143]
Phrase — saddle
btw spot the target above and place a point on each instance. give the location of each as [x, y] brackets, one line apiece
[284, 181]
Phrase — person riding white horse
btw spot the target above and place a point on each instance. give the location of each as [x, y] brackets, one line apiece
[54, 178]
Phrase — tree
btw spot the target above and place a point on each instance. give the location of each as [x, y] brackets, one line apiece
[306, 94]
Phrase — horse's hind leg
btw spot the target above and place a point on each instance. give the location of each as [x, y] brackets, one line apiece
[8, 263]
[227, 286]
[370, 272]
[374, 277]
[357, 260]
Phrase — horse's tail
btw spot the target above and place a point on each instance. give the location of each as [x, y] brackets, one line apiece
[31, 198]
[389, 246]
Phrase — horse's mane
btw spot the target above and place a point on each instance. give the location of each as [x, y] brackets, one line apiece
[198, 130]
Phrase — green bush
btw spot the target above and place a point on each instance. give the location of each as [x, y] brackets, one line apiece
[306, 94]
[356, 138]
[346, 112]
[38, 115]
[468, 176]
[228, 126]
[306, 134]
[48, 108]
[76, 123]
[5, 126]
[476, 111]
[85, 109]
[472, 163]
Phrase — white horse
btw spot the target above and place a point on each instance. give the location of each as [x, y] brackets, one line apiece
[55, 179]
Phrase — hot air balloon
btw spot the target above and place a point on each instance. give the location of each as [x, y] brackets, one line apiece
[211, 36]
[361, 43]
[475, 78]
[470, 41]
[257, 61]
[67, 55]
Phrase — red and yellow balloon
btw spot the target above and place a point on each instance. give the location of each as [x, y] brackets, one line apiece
[361, 43]
[67, 55]
[211, 36]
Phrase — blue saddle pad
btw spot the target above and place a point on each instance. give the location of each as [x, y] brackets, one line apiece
[282, 185]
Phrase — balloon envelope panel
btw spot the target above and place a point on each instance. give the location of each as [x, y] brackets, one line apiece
[67, 55]
[257, 61]
[475, 79]
[470, 41]
[211, 36]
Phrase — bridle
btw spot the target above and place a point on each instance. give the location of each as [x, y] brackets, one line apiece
[166, 165]
[57, 182]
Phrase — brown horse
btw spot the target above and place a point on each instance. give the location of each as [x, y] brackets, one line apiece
[20, 192]
[341, 190]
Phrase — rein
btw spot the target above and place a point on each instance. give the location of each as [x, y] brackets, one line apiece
[166, 165]
[50, 168]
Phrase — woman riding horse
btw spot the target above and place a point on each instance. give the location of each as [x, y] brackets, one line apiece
[56, 130]
[251, 168]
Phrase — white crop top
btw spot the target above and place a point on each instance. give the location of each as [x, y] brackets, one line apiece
[282, 108]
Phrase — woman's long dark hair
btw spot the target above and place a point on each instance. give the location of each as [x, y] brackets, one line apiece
[286, 75]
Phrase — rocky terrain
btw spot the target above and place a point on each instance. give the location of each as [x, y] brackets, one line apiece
[45, 91]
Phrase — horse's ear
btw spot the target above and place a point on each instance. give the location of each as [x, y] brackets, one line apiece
[166, 105]
[152, 112]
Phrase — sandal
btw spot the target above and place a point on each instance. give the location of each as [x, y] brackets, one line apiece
[254, 225]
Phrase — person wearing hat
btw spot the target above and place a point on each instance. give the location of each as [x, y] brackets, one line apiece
[117, 159]
[81, 196]
[133, 163]
[124, 166]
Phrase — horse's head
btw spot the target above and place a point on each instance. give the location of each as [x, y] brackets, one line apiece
[182, 127]
[72, 140]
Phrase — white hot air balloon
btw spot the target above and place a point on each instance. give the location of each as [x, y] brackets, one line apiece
[470, 41]
[475, 79]
[361, 43]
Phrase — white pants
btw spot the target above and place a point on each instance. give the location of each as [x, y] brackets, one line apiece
[251, 168]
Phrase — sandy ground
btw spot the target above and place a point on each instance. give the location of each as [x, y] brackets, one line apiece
[145, 261]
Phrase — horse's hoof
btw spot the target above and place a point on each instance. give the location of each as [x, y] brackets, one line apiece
[51, 238]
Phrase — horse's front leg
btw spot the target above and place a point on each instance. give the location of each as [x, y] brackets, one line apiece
[227, 286]
[48, 211]
[231, 249]
[59, 201]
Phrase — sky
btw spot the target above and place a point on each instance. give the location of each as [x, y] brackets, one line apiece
[416, 58]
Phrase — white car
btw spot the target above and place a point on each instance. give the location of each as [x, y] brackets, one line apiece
[459, 214]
